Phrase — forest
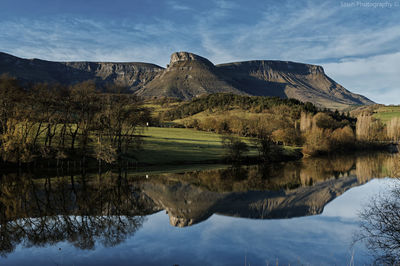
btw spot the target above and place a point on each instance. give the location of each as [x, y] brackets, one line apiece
[77, 122]
[285, 121]
[54, 123]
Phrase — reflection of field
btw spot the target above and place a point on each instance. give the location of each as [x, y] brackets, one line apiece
[283, 190]
[306, 172]
[82, 209]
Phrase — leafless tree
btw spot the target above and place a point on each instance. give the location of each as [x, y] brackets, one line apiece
[380, 227]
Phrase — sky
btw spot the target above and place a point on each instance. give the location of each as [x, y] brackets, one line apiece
[357, 42]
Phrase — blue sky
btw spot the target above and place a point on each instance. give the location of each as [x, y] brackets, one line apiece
[357, 42]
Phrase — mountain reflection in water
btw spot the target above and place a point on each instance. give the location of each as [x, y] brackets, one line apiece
[91, 209]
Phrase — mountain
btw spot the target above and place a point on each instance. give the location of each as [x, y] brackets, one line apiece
[189, 75]
[307, 83]
[133, 75]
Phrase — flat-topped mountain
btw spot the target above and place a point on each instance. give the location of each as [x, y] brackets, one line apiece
[189, 75]
[133, 75]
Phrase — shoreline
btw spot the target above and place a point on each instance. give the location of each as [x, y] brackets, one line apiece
[92, 164]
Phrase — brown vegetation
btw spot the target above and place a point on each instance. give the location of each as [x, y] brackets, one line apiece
[324, 134]
[369, 128]
[56, 122]
[393, 129]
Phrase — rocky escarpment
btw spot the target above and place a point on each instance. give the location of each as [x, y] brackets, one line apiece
[189, 75]
[133, 75]
[307, 83]
[180, 57]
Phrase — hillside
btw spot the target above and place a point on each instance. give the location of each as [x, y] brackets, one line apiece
[383, 112]
[304, 82]
[189, 75]
[132, 75]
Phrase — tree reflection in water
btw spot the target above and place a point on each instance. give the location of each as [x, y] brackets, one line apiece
[380, 226]
[108, 208]
[40, 212]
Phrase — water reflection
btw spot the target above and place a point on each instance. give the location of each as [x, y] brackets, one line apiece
[380, 226]
[88, 210]
[44, 211]
[265, 191]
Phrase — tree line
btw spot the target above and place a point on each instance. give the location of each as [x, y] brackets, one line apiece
[67, 122]
[226, 101]
[80, 122]
[274, 121]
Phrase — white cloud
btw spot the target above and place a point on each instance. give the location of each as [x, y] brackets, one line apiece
[303, 31]
[178, 6]
[224, 4]
[70, 39]
[376, 77]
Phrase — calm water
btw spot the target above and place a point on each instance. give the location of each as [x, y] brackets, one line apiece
[299, 213]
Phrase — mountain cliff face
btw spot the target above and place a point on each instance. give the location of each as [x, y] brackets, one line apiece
[132, 75]
[307, 83]
[189, 75]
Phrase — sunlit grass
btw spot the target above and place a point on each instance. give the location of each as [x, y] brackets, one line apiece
[386, 113]
[163, 146]
[173, 145]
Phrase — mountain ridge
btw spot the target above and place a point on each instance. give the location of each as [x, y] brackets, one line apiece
[189, 75]
[128, 74]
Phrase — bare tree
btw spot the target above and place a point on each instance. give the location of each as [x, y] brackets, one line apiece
[120, 119]
[85, 104]
[380, 227]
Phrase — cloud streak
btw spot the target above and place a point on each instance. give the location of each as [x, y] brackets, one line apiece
[376, 77]
[306, 31]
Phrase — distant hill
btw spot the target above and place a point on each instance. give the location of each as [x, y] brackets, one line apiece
[189, 75]
[133, 75]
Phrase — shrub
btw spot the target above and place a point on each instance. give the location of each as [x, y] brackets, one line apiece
[235, 147]
[317, 141]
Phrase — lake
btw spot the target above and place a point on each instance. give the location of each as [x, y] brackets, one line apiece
[305, 212]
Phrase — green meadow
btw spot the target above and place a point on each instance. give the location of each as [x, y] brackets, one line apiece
[386, 113]
[181, 145]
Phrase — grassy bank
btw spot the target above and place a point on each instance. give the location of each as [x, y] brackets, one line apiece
[180, 145]
[175, 145]
[168, 147]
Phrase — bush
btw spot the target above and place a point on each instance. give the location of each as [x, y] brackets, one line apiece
[235, 147]
[317, 141]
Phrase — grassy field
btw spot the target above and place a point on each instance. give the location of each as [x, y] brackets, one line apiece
[180, 147]
[174, 145]
[386, 113]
